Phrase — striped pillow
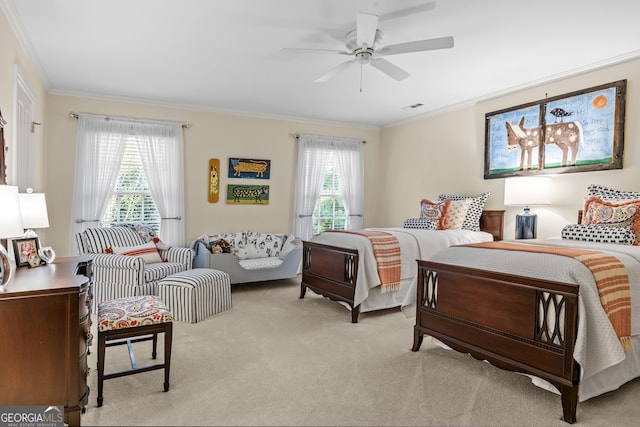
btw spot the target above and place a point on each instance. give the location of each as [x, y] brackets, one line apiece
[97, 240]
[148, 252]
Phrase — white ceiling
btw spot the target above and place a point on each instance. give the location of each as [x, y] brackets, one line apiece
[225, 55]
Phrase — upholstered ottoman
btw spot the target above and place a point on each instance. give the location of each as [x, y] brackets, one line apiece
[197, 294]
[129, 320]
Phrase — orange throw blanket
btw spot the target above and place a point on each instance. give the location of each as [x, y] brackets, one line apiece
[386, 250]
[609, 274]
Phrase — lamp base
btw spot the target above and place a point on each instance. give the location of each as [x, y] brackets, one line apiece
[6, 268]
[526, 225]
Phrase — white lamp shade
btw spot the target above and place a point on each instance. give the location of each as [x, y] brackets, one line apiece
[527, 191]
[34, 210]
[11, 219]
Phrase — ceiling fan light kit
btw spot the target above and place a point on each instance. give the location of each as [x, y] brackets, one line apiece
[364, 44]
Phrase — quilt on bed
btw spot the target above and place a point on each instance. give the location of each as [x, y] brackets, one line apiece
[610, 277]
[414, 244]
[386, 251]
[598, 349]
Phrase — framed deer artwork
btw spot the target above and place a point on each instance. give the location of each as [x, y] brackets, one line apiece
[575, 132]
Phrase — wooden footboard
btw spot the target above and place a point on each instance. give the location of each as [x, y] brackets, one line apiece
[330, 271]
[516, 323]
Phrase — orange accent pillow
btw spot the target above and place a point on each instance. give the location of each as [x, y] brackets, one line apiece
[435, 211]
[623, 214]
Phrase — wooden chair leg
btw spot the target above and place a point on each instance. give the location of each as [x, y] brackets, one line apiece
[168, 338]
[101, 352]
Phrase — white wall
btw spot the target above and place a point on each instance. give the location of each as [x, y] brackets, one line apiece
[445, 154]
[403, 163]
[212, 135]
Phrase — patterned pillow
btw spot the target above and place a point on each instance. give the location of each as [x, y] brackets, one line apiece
[420, 223]
[147, 233]
[435, 211]
[266, 244]
[612, 214]
[472, 219]
[148, 252]
[599, 234]
[456, 214]
[608, 193]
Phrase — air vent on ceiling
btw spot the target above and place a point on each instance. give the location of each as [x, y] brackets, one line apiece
[412, 107]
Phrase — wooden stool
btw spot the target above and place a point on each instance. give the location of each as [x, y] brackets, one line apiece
[133, 319]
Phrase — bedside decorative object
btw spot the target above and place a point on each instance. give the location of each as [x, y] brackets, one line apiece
[527, 191]
[10, 226]
[24, 249]
[33, 208]
[47, 254]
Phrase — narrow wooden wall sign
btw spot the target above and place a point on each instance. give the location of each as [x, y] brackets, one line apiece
[214, 180]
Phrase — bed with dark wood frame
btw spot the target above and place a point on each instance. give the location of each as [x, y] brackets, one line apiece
[518, 323]
[331, 271]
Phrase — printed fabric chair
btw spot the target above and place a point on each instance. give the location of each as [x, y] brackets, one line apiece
[128, 260]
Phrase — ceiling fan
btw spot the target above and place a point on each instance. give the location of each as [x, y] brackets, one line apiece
[364, 44]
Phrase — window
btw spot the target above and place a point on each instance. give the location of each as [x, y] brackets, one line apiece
[329, 185]
[132, 200]
[329, 213]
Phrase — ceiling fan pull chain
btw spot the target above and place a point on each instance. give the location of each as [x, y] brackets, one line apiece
[361, 77]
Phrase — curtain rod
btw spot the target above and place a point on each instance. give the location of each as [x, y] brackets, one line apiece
[76, 115]
[297, 136]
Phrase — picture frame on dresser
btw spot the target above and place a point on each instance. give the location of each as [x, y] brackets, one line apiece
[25, 251]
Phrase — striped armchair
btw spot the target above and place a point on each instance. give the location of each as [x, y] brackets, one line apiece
[117, 276]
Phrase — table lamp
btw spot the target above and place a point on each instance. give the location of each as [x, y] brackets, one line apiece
[527, 191]
[33, 207]
[10, 226]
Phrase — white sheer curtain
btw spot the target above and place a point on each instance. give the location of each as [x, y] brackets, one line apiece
[313, 155]
[161, 151]
[348, 158]
[100, 145]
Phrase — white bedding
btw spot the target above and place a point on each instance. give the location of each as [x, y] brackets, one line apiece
[605, 366]
[414, 244]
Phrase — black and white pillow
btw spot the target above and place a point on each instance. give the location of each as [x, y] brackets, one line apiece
[420, 223]
[472, 219]
[608, 193]
[599, 234]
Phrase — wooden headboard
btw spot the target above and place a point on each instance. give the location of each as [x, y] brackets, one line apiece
[493, 222]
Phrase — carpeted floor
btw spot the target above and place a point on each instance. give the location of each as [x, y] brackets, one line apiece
[274, 359]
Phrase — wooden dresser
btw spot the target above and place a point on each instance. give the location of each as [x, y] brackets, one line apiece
[45, 333]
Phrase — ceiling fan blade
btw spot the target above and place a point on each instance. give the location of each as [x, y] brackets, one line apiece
[388, 68]
[407, 11]
[417, 46]
[366, 26]
[304, 50]
[334, 71]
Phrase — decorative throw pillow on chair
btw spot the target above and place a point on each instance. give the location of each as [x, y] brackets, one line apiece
[148, 252]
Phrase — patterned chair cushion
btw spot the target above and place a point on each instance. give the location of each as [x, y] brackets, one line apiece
[420, 223]
[130, 312]
[472, 219]
[160, 270]
[599, 233]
